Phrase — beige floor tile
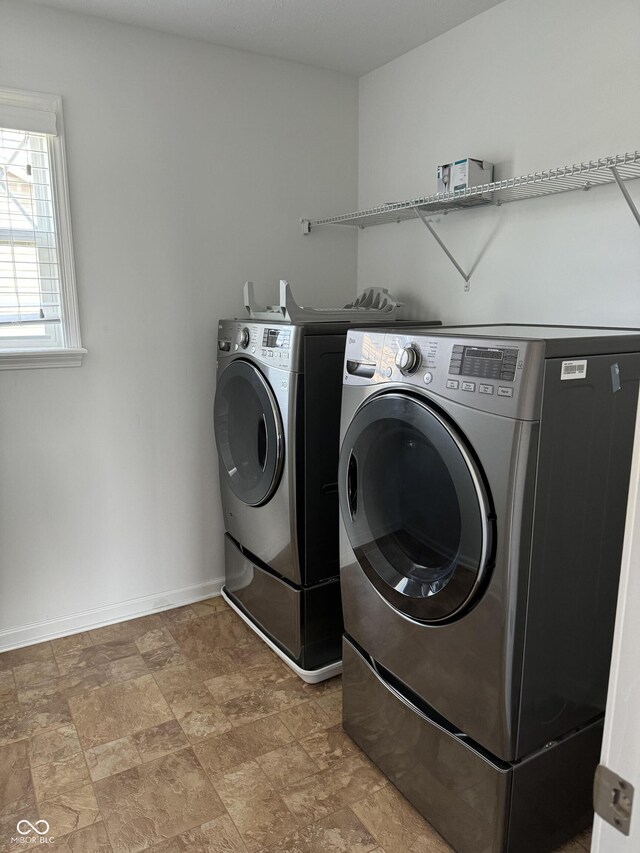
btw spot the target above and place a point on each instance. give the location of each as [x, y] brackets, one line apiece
[331, 704]
[265, 701]
[154, 639]
[223, 688]
[251, 652]
[8, 826]
[59, 689]
[199, 714]
[221, 754]
[307, 719]
[89, 656]
[156, 801]
[175, 680]
[123, 669]
[20, 720]
[216, 836]
[256, 809]
[173, 845]
[129, 630]
[341, 832]
[340, 785]
[32, 674]
[16, 789]
[160, 740]
[211, 605]
[83, 680]
[270, 672]
[7, 687]
[287, 765]
[397, 825]
[114, 757]
[91, 839]
[70, 811]
[329, 746]
[177, 615]
[72, 643]
[164, 657]
[49, 780]
[30, 654]
[206, 634]
[53, 746]
[6, 679]
[112, 712]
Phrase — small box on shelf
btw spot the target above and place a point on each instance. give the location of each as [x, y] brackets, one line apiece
[463, 175]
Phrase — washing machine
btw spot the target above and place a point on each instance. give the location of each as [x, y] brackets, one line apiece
[483, 484]
[276, 422]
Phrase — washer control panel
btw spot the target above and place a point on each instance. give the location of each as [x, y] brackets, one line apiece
[497, 363]
[269, 343]
[491, 375]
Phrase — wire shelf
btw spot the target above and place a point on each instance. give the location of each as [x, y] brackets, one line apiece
[581, 176]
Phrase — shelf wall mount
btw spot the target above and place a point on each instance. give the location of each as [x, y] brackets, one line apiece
[434, 234]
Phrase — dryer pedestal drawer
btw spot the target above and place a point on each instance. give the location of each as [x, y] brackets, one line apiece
[305, 622]
[479, 803]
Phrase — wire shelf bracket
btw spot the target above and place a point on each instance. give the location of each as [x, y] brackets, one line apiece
[625, 192]
[439, 241]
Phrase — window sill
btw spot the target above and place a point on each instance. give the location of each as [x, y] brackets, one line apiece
[20, 359]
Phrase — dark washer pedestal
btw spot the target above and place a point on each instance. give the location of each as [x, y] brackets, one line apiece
[479, 803]
[303, 623]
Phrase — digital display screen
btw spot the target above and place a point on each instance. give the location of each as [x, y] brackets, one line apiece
[472, 352]
[484, 362]
[276, 338]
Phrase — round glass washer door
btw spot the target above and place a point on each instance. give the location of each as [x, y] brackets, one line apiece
[415, 508]
[248, 431]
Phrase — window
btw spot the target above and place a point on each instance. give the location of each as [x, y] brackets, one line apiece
[38, 306]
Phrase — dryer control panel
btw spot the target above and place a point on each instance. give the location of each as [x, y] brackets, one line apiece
[273, 344]
[492, 375]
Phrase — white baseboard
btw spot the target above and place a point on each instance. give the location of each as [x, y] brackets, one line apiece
[63, 626]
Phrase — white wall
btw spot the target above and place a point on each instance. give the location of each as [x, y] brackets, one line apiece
[528, 85]
[189, 166]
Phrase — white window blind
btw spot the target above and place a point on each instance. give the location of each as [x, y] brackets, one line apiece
[29, 275]
[38, 308]
[33, 120]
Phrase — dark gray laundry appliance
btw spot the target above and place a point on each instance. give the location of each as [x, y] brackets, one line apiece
[483, 487]
[277, 423]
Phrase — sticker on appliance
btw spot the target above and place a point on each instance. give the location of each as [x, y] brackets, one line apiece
[574, 369]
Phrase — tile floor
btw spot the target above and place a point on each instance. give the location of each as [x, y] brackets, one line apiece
[182, 731]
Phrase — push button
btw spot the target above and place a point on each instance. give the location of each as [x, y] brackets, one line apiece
[468, 386]
[485, 389]
[453, 383]
[504, 392]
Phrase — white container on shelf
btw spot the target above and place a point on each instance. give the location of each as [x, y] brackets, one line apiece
[463, 175]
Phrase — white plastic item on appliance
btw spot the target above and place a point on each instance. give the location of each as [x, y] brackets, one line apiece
[370, 304]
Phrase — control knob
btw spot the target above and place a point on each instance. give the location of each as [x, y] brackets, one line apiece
[244, 338]
[408, 359]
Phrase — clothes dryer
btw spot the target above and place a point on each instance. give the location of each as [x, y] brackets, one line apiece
[483, 484]
[277, 422]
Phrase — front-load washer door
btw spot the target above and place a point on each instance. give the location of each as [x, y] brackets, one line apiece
[415, 508]
[249, 434]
